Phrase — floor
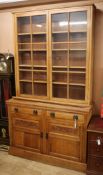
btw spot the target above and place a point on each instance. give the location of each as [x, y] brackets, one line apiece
[11, 165]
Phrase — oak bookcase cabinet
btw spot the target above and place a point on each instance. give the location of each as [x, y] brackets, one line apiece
[50, 113]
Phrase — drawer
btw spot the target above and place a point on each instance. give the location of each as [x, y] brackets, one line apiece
[64, 130]
[64, 116]
[95, 149]
[95, 163]
[25, 124]
[94, 136]
[26, 110]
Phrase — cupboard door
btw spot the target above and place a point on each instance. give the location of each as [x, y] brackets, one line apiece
[64, 140]
[69, 39]
[27, 134]
[32, 47]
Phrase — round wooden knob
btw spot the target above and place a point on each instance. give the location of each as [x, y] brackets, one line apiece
[35, 112]
[16, 109]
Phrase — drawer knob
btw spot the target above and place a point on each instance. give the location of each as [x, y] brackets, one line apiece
[75, 118]
[16, 109]
[52, 115]
[35, 112]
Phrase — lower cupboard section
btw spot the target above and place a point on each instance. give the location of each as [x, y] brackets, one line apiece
[49, 134]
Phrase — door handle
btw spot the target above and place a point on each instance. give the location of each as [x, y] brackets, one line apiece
[75, 118]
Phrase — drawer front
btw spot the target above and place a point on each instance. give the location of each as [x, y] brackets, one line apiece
[65, 116]
[26, 110]
[26, 116]
[95, 164]
[94, 136]
[26, 124]
[64, 130]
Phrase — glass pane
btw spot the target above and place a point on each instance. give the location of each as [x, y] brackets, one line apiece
[40, 76]
[59, 91]
[39, 58]
[78, 46]
[59, 58]
[24, 58]
[23, 24]
[60, 22]
[78, 21]
[60, 46]
[77, 58]
[59, 37]
[59, 77]
[78, 78]
[38, 38]
[77, 92]
[24, 38]
[40, 89]
[26, 75]
[77, 36]
[39, 24]
[25, 88]
[39, 42]
[39, 46]
[24, 47]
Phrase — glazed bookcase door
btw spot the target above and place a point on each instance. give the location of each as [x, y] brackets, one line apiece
[32, 46]
[69, 55]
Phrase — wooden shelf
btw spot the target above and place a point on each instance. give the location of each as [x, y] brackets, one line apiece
[76, 84]
[24, 43]
[60, 49]
[39, 33]
[28, 81]
[77, 67]
[39, 50]
[58, 32]
[68, 42]
[39, 43]
[60, 83]
[77, 49]
[27, 70]
[19, 34]
[81, 31]
[54, 71]
[77, 72]
[24, 65]
[35, 81]
[23, 50]
[44, 66]
[39, 70]
[59, 67]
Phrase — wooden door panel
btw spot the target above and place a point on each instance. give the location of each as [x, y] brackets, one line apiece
[64, 147]
[64, 140]
[26, 140]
